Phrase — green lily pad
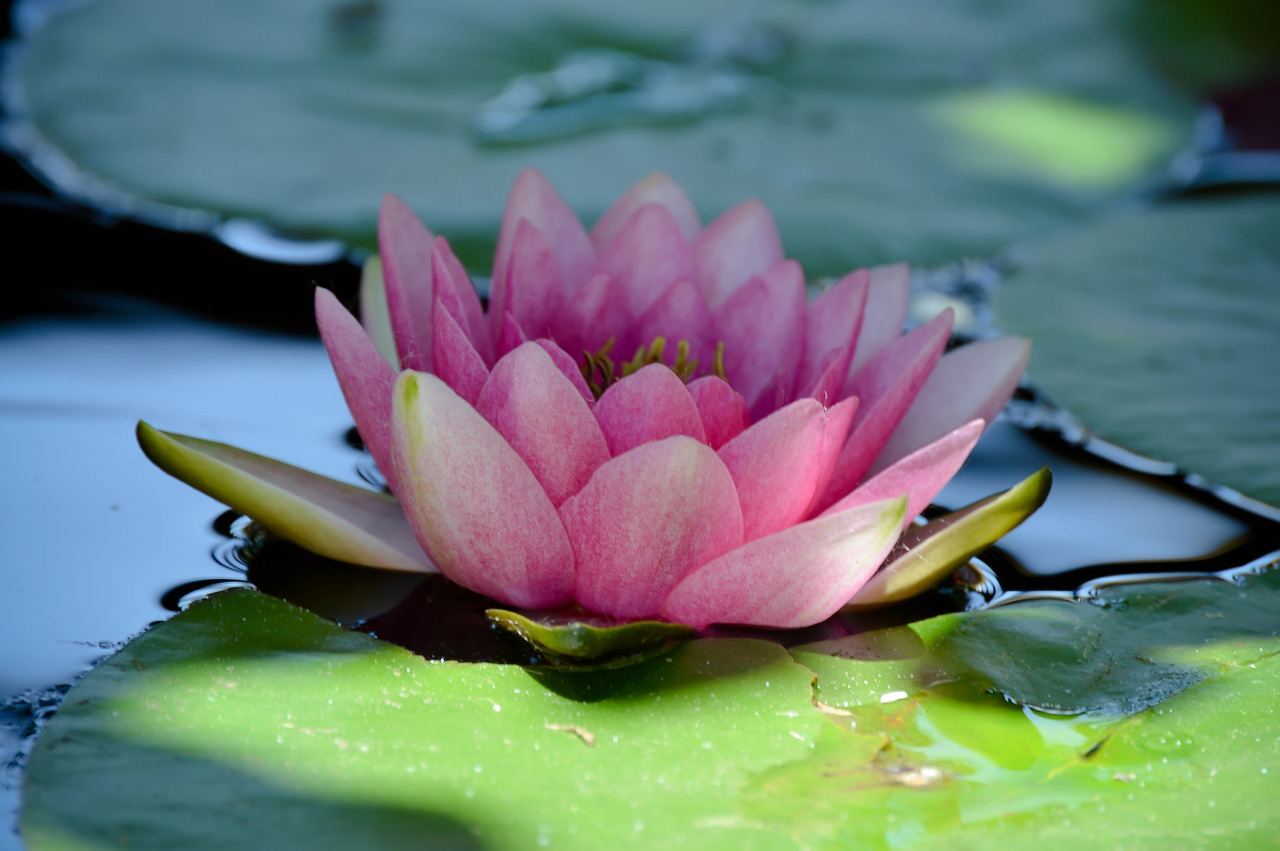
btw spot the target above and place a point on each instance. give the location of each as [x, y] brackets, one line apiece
[245, 720]
[572, 642]
[1158, 330]
[873, 131]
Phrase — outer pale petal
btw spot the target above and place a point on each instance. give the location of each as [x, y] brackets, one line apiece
[456, 361]
[723, 409]
[535, 200]
[794, 578]
[363, 374]
[647, 256]
[645, 520]
[545, 419]
[329, 518]
[375, 316]
[886, 386]
[742, 243]
[971, 382]
[654, 189]
[762, 326]
[405, 245]
[455, 289]
[886, 311]
[775, 465]
[473, 503]
[832, 324]
[648, 405]
[920, 475]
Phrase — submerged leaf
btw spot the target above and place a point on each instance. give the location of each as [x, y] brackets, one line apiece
[327, 517]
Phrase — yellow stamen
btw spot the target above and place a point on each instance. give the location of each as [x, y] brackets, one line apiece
[601, 373]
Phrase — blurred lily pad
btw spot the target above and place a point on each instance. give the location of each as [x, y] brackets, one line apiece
[244, 718]
[1158, 329]
[874, 131]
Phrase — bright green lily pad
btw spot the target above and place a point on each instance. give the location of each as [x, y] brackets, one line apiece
[245, 720]
[1159, 331]
[875, 132]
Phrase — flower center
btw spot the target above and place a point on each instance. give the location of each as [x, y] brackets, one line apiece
[601, 373]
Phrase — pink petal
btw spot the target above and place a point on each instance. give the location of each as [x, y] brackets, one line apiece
[568, 369]
[775, 465]
[454, 288]
[654, 189]
[510, 337]
[794, 578]
[648, 255]
[920, 475]
[681, 313]
[832, 324]
[885, 312]
[473, 504]
[534, 293]
[533, 199]
[596, 313]
[971, 382]
[545, 419]
[405, 245]
[723, 409]
[886, 387]
[375, 316]
[762, 326]
[456, 361]
[839, 424]
[827, 386]
[742, 243]
[363, 374]
[644, 520]
[648, 405]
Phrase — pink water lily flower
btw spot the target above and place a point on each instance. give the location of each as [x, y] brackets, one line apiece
[650, 420]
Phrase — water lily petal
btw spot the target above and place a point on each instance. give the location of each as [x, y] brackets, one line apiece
[511, 336]
[648, 405]
[456, 361]
[920, 475]
[597, 313]
[534, 200]
[568, 368]
[535, 294]
[327, 517]
[527, 399]
[473, 503]
[405, 245]
[453, 287]
[681, 313]
[971, 382]
[762, 326]
[648, 254]
[647, 518]
[886, 311]
[723, 409]
[775, 465]
[654, 189]
[363, 374]
[375, 316]
[839, 423]
[833, 321]
[926, 554]
[886, 386]
[741, 243]
[793, 578]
